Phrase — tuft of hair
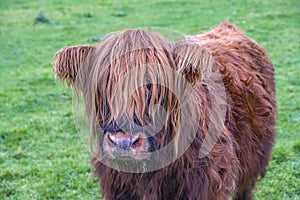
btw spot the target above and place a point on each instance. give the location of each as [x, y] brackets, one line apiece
[193, 61]
[69, 59]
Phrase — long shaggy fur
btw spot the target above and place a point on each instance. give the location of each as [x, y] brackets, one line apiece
[241, 153]
[68, 60]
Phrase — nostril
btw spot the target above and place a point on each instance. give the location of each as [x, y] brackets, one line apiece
[112, 139]
[134, 140]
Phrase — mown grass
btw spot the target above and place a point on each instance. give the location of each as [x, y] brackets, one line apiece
[41, 155]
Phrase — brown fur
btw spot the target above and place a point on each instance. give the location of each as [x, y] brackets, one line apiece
[240, 155]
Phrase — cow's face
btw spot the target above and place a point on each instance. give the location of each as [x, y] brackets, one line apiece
[137, 89]
[134, 131]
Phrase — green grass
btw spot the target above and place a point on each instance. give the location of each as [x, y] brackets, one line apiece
[41, 155]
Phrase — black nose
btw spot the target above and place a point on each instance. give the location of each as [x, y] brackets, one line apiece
[123, 141]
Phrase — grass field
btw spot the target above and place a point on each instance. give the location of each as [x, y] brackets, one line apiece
[41, 155]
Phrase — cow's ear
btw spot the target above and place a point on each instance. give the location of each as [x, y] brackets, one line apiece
[193, 60]
[69, 59]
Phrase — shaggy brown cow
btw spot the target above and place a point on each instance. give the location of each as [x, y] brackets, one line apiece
[129, 72]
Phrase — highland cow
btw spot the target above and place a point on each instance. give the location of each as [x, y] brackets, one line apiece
[162, 127]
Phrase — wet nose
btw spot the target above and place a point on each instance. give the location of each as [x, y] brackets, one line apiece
[123, 141]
